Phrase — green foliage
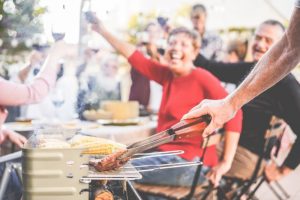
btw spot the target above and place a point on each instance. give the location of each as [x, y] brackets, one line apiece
[138, 22]
[20, 20]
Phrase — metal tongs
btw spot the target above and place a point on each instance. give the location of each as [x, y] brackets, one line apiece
[184, 129]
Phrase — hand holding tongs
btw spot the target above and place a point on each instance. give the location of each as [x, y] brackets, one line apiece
[184, 129]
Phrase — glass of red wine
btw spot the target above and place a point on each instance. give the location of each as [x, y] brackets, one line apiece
[58, 28]
[58, 32]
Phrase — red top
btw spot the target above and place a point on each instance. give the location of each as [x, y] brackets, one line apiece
[180, 94]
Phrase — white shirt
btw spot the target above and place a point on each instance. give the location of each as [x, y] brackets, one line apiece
[297, 4]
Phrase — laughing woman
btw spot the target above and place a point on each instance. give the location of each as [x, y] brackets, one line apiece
[183, 87]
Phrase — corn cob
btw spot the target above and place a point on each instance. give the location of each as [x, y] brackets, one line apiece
[95, 145]
[103, 149]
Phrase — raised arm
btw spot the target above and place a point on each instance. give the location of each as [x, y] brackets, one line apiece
[152, 70]
[272, 67]
[18, 94]
[124, 48]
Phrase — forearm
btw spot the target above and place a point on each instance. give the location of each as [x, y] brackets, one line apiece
[18, 94]
[230, 145]
[272, 67]
[124, 48]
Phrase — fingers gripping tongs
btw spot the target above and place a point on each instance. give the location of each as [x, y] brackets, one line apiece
[183, 129]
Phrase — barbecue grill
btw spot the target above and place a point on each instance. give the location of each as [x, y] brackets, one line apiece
[63, 174]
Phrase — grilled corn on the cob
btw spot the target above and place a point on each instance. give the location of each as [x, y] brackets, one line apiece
[95, 145]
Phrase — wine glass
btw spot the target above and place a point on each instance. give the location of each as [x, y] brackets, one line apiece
[58, 28]
[58, 99]
[58, 32]
[94, 45]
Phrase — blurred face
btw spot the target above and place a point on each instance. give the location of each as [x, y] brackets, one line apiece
[110, 68]
[180, 53]
[265, 36]
[231, 57]
[198, 21]
[37, 58]
[154, 33]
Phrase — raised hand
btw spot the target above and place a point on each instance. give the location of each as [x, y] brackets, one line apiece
[95, 22]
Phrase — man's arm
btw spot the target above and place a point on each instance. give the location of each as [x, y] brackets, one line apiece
[272, 67]
[227, 72]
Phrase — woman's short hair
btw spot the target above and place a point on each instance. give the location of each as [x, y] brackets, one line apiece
[195, 37]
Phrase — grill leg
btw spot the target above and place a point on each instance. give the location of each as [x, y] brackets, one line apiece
[287, 196]
[136, 194]
[5, 180]
[256, 188]
[275, 192]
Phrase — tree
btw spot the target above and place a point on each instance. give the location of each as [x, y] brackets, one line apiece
[20, 20]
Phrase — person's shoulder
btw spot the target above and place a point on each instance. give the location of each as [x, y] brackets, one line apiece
[204, 74]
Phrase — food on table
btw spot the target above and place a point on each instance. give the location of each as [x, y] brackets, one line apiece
[52, 144]
[76, 124]
[24, 120]
[94, 115]
[95, 145]
[46, 143]
[121, 110]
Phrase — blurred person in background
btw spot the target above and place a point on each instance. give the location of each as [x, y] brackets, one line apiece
[147, 92]
[236, 51]
[104, 85]
[272, 67]
[211, 43]
[87, 56]
[13, 94]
